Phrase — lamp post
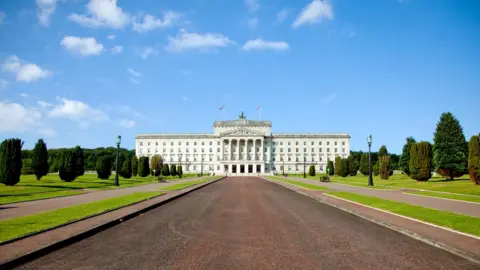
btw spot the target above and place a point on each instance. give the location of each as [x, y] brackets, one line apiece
[304, 166]
[370, 178]
[180, 162]
[119, 140]
[201, 166]
[283, 167]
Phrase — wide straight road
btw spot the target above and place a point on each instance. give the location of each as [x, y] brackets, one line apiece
[248, 223]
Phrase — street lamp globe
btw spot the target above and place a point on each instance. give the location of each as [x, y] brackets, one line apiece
[119, 139]
[369, 139]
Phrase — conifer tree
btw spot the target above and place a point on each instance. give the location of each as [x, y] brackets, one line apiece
[80, 162]
[405, 158]
[67, 171]
[10, 161]
[474, 159]
[165, 170]
[311, 170]
[384, 166]
[449, 149]
[364, 164]
[126, 171]
[104, 167]
[421, 161]
[352, 165]
[338, 161]
[330, 168]
[173, 170]
[134, 165]
[40, 159]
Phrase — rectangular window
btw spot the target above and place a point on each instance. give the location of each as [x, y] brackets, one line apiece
[156, 150]
[203, 143]
[218, 150]
[281, 143]
[210, 150]
[218, 168]
[313, 149]
[148, 150]
[304, 143]
[156, 143]
[194, 167]
[195, 143]
[343, 143]
[320, 143]
[187, 143]
[141, 143]
[335, 143]
[296, 143]
[289, 150]
[171, 150]
[164, 143]
[289, 158]
[328, 150]
[328, 143]
[296, 150]
[281, 150]
[210, 143]
[312, 143]
[335, 150]
[288, 143]
[304, 150]
[164, 150]
[265, 149]
[141, 150]
[203, 150]
[320, 149]
[148, 143]
[343, 150]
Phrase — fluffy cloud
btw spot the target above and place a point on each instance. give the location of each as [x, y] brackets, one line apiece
[16, 118]
[83, 46]
[25, 95]
[102, 13]
[2, 16]
[282, 15]
[45, 8]
[111, 37]
[193, 41]
[252, 5]
[252, 23]
[134, 81]
[47, 132]
[313, 13]
[3, 84]
[134, 73]
[77, 111]
[150, 22]
[25, 72]
[126, 123]
[260, 44]
[147, 51]
[116, 49]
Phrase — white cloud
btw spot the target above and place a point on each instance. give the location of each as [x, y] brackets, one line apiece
[45, 8]
[147, 51]
[102, 13]
[184, 98]
[111, 37]
[44, 104]
[128, 110]
[282, 15]
[77, 111]
[252, 23]
[170, 18]
[116, 49]
[260, 44]
[126, 123]
[135, 81]
[3, 84]
[47, 132]
[313, 13]
[25, 95]
[252, 5]
[25, 72]
[134, 73]
[84, 46]
[16, 118]
[328, 99]
[2, 16]
[194, 41]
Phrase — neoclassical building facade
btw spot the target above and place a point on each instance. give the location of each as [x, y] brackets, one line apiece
[241, 147]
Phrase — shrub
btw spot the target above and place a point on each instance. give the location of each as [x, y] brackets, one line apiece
[80, 162]
[27, 166]
[364, 164]
[156, 163]
[126, 171]
[449, 149]
[404, 163]
[143, 167]
[325, 178]
[162, 178]
[474, 159]
[376, 169]
[67, 170]
[104, 167]
[338, 161]
[421, 161]
[384, 167]
[40, 159]
[10, 161]
[179, 171]
[165, 170]
[311, 170]
[173, 170]
[352, 165]
[134, 165]
[343, 167]
[330, 168]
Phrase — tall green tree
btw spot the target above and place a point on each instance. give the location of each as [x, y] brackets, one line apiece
[352, 165]
[179, 171]
[343, 168]
[421, 161]
[311, 170]
[143, 167]
[338, 161]
[384, 166]
[173, 170]
[27, 166]
[474, 159]
[330, 168]
[126, 171]
[104, 167]
[404, 163]
[364, 164]
[80, 162]
[156, 164]
[134, 165]
[165, 170]
[382, 152]
[449, 151]
[40, 159]
[10, 161]
[68, 166]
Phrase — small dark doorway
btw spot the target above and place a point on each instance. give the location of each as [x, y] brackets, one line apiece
[242, 168]
[250, 168]
[234, 168]
[259, 168]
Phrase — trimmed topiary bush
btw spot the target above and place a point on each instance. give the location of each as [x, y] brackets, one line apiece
[40, 159]
[311, 170]
[165, 170]
[10, 161]
[68, 166]
[474, 159]
[173, 170]
[104, 167]
[421, 161]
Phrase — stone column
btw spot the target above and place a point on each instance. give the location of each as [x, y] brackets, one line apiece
[222, 148]
[245, 157]
[238, 149]
[254, 150]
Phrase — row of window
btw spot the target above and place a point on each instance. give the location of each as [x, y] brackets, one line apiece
[218, 143]
[210, 150]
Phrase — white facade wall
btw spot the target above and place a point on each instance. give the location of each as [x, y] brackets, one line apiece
[231, 148]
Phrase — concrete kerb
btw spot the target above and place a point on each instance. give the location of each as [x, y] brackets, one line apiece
[455, 200]
[24, 258]
[462, 253]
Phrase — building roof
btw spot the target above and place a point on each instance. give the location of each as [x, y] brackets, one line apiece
[242, 122]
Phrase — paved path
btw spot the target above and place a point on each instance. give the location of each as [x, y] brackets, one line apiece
[466, 208]
[33, 207]
[248, 223]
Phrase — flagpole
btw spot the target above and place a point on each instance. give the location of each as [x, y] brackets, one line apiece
[260, 113]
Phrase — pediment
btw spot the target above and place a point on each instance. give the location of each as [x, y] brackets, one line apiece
[242, 132]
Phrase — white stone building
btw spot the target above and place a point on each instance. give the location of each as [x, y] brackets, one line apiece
[241, 147]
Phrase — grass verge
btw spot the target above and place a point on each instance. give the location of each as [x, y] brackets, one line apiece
[298, 183]
[188, 184]
[13, 198]
[458, 222]
[16, 227]
[447, 196]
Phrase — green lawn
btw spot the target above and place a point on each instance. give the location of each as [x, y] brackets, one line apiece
[461, 185]
[462, 223]
[448, 196]
[297, 183]
[188, 184]
[51, 186]
[16, 227]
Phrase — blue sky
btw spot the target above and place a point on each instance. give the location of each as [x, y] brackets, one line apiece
[81, 72]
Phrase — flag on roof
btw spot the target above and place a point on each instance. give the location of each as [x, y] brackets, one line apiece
[221, 108]
[259, 107]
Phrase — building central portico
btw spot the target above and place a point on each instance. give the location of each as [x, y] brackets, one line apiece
[244, 147]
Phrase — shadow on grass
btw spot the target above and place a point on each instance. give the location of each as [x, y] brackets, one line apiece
[448, 180]
[57, 188]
